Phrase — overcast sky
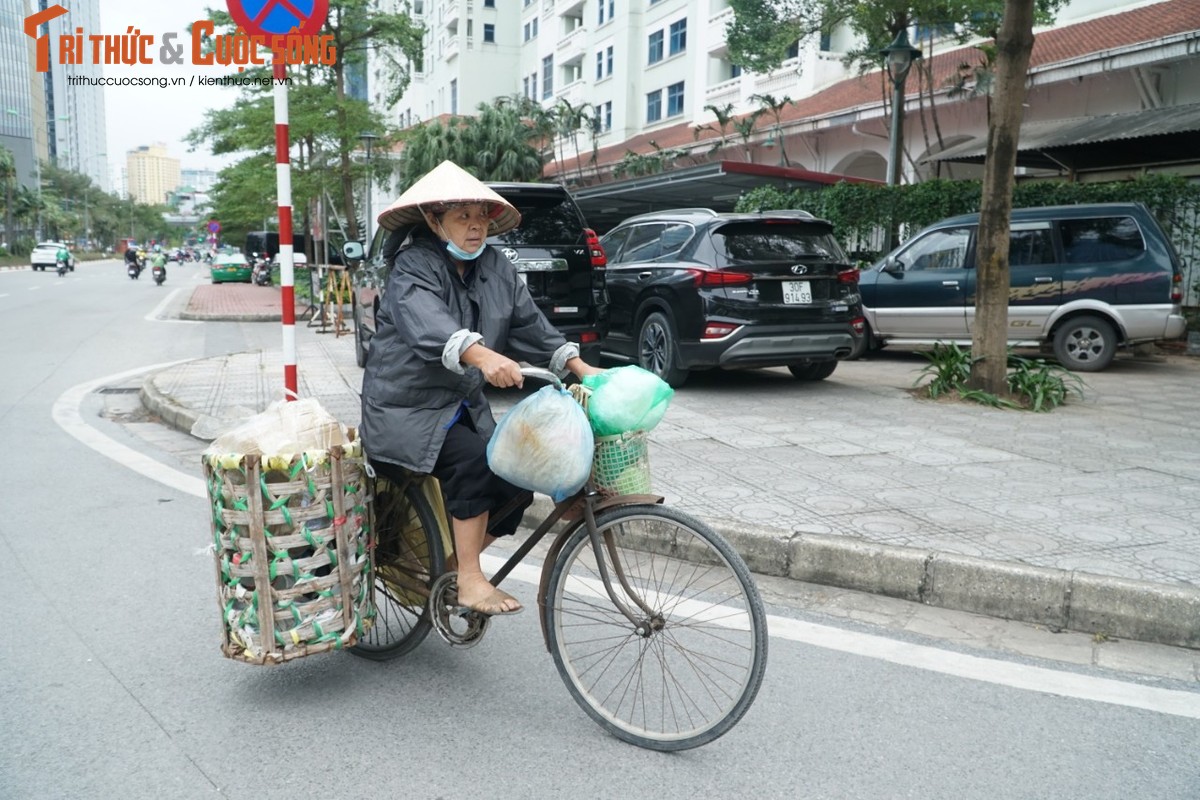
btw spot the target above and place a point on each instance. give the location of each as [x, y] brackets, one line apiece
[142, 115]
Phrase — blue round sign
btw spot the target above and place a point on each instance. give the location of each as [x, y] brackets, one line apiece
[279, 17]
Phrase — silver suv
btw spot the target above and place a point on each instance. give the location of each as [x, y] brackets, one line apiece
[1085, 280]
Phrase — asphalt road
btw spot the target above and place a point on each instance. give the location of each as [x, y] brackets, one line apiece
[114, 686]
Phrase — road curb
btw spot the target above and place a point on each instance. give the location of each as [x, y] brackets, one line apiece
[1057, 599]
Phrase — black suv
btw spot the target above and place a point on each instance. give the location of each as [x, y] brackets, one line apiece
[557, 255]
[693, 289]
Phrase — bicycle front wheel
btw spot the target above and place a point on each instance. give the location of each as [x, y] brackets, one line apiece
[408, 557]
[690, 667]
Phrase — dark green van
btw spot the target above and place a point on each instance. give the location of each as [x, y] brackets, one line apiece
[1085, 280]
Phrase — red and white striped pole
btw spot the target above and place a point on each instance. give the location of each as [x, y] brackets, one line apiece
[287, 272]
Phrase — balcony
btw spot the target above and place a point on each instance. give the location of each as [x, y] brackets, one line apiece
[716, 27]
[450, 51]
[574, 92]
[782, 81]
[719, 94]
[571, 46]
[451, 16]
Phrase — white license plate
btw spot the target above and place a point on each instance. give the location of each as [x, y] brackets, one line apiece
[796, 292]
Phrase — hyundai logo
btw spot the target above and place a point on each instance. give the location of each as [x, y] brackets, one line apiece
[799, 269]
[511, 255]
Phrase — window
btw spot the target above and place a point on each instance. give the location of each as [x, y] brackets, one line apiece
[602, 120]
[735, 71]
[604, 63]
[674, 237]
[1030, 247]
[547, 77]
[678, 36]
[489, 3]
[654, 106]
[656, 47]
[793, 50]
[525, 86]
[938, 250]
[599, 66]
[1087, 241]
[608, 60]
[743, 243]
[454, 96]
[675, 99]
[643, 244]
[534, 24]
[533, 95]
[826, 43]
[489, 33]
[609, 6]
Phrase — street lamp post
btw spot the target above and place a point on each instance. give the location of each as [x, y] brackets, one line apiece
[899, 57]
[368, 140]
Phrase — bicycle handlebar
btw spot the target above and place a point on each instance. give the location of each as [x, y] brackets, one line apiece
[542, 374]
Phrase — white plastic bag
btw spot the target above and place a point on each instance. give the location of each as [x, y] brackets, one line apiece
[544, 444]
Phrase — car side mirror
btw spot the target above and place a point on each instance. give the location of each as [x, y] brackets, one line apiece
[353, 251]
[893, 266]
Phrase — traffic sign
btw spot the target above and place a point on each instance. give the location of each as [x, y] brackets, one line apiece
[214, 226]
[279, 17]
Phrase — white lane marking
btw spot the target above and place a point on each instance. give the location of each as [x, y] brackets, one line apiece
[34, 288]
[1002, 673]
[3, 295]
[67, 415]
[158, 314]
[947, 662]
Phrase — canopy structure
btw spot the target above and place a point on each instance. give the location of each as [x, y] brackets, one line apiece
[716, 185]
[1086, 144]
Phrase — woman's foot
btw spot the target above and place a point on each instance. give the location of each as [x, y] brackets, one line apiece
[479, 595]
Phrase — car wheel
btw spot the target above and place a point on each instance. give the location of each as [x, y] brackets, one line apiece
[360, 347]
[812, 370]
[658, 351]
[862, 344]
[1085, 344]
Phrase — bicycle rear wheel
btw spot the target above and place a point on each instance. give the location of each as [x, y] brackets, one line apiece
[408, 557]
[692, 666]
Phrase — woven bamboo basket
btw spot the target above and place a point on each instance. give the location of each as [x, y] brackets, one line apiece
[621, 464]
[292, 537]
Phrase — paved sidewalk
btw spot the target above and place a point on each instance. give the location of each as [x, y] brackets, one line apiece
[1086, 518]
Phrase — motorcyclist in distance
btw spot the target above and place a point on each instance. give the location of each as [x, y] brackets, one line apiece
[131, 257]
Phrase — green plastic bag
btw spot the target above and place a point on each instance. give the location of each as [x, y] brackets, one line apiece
[626, 399]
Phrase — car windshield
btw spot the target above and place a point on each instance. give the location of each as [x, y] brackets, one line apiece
[545, 219]
[751, 242]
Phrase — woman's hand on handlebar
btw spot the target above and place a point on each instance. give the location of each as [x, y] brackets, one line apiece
[498, 370]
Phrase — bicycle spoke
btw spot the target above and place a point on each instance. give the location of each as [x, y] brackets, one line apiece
[688, 670]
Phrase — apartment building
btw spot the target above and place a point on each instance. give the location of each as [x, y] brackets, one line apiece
[22, 95]
[151, 174]
[75, 114]
[651, 70]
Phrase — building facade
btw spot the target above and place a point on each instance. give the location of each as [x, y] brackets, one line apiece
[75, 114]
[151, 174]
[22, 95]
[651, 73]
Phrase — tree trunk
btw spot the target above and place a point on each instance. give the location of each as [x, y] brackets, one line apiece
[989, 338]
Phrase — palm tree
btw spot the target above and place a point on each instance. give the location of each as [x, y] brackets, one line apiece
[725, 119]
[769, 105]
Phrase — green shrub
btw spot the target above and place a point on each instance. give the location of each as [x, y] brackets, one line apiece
[1034, 384]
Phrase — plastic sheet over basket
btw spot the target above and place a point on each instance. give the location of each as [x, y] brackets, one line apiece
[292, 537]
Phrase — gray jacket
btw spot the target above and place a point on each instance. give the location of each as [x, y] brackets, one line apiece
[414, 384]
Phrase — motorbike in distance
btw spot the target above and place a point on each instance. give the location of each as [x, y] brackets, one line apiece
[159, 273]
[61, 266]
[261, 272]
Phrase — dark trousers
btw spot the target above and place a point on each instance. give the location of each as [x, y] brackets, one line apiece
[468, 484]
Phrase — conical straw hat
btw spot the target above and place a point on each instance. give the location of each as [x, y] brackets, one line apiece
[448, 183]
